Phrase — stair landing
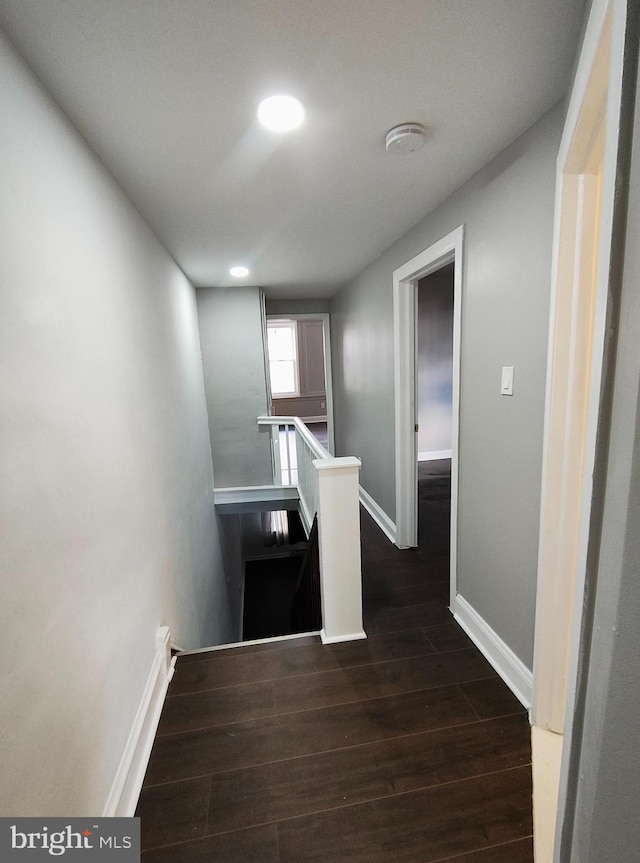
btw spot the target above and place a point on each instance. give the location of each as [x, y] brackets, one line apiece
[400, 748]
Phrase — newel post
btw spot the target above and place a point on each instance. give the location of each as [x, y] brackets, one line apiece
[339, 541]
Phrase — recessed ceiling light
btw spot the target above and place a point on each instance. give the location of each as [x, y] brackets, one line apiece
[281, 113]
[239, 272]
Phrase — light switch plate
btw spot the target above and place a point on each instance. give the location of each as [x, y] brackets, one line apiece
[506, 385]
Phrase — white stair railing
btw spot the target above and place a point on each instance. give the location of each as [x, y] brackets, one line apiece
[329, 487]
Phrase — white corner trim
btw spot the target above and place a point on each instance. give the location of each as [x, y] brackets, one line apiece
[378, 515]
[511, 669]
[405, 280]
[125, 790]
[335, 639]
[434, 455]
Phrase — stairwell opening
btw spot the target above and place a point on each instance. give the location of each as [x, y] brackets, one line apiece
[281, 583]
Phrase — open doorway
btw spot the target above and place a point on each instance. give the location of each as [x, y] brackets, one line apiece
[434, 395]
[448, 250]
[299, 357]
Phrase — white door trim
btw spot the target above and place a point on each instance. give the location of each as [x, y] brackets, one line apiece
[584, 216]
[405, 281]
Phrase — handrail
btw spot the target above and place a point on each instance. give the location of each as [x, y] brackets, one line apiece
[312, 442]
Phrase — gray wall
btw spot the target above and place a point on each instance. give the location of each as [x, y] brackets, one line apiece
[296, 307]
[607, 827]
[507, 210]
[230, 531]
[231, 337]
[106, 492]
[435, 360]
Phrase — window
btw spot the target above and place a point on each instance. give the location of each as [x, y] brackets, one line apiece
[283, 358]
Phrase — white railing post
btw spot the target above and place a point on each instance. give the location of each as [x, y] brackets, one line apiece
[330, 487]
[339, 540]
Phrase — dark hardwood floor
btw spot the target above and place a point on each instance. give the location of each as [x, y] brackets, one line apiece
[403, 748]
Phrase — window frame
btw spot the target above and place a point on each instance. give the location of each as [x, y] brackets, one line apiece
[285, 323]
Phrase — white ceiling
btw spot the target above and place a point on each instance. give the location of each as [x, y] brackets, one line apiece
[166, 91]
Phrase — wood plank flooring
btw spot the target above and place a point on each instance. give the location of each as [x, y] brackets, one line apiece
[404, 748]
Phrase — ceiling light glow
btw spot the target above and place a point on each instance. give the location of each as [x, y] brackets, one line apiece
[239, 272]
[281, 113]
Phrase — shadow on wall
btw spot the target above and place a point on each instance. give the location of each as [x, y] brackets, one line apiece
[435, 363]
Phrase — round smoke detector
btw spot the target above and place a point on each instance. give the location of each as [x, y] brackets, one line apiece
[405, 138]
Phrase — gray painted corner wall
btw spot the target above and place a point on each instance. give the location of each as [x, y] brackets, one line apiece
[230, 532]
[231, 337]
[435, 360]
[507, 210]
[106, 498]
[607, 827]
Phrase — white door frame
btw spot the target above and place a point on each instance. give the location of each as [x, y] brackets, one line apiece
[328, 380]
[405, 291]
[584, 213]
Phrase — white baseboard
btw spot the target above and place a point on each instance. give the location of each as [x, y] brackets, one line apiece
[273, 640]
[336, 639]
[514, 672]
[125, 790]
[434, 455]
[378, 515]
